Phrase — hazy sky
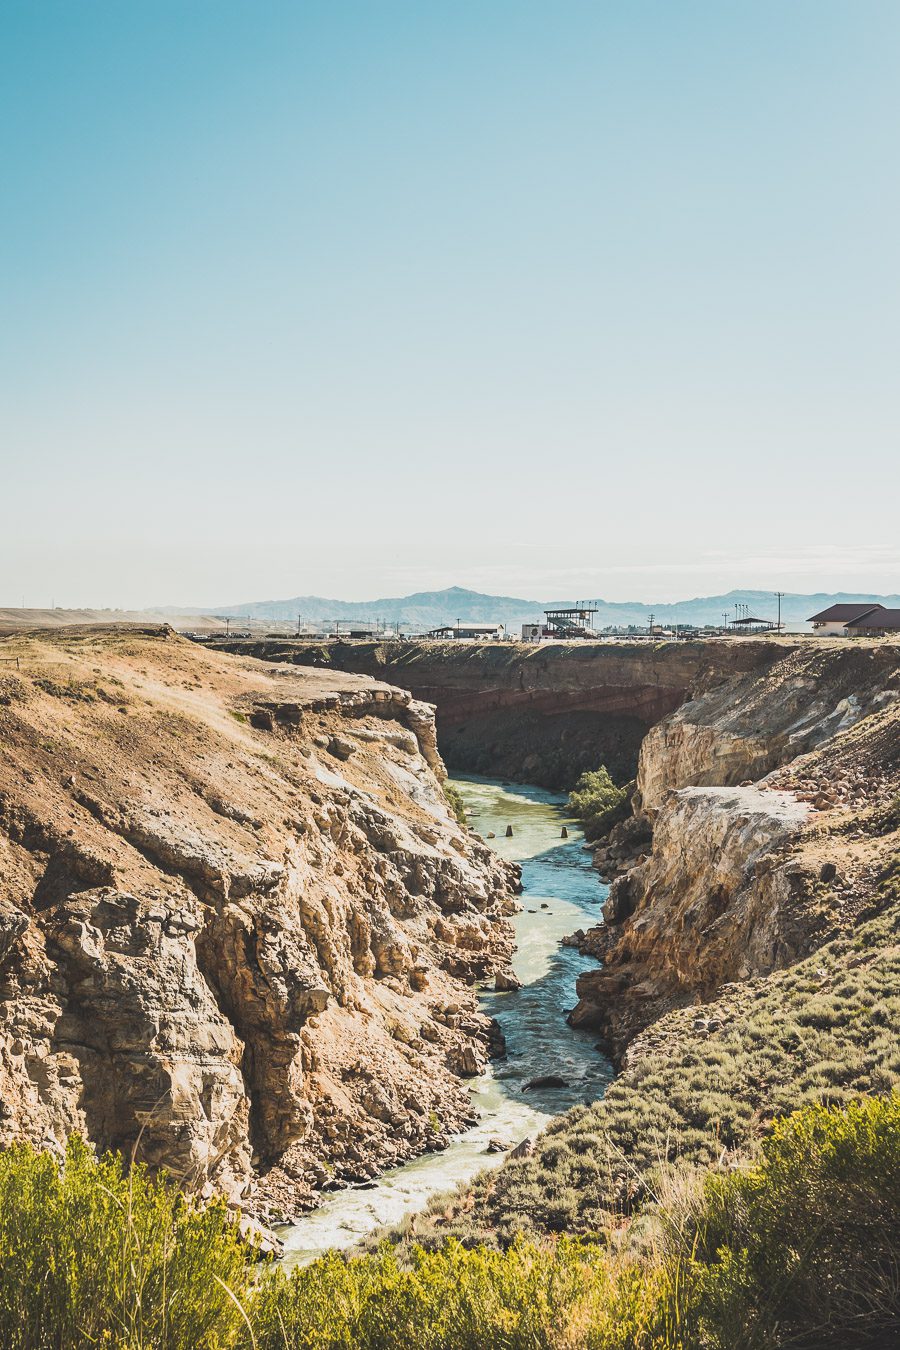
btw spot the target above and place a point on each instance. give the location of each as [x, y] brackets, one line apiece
[359, 298]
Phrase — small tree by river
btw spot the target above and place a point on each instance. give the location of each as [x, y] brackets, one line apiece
[597, 802]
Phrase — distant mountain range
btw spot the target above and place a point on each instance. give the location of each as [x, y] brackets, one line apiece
[430, 609]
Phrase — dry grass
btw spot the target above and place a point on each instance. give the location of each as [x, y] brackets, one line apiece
[822, 1031]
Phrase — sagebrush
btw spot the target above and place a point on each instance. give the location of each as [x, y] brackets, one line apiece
[801, 1250]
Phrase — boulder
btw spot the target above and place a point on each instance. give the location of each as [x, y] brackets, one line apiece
[340, 747]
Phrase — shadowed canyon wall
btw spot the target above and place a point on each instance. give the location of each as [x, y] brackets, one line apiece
[540, 714]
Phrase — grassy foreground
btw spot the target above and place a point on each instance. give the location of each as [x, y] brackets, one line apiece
[800, 1250]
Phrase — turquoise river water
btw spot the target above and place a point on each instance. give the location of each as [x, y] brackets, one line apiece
[561, 892]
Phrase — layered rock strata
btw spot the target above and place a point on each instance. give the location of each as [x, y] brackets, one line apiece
[240, 929]
[744, 727]
[742, 880]
[540, 714]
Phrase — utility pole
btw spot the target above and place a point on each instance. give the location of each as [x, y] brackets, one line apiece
[725, 620]
[652, 617]
[780, 594]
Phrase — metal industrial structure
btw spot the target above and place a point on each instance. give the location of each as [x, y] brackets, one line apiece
[577, 622]
[750, 624]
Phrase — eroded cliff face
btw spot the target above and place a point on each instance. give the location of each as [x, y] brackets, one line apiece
[750, 724]
[713, 903]
[747, 879]
[540, 714]
[239, 928]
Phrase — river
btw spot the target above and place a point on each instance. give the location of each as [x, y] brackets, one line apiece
[560, 893]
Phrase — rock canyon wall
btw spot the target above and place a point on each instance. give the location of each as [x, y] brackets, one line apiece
[763, 798]
[540, 714]
[240, 928]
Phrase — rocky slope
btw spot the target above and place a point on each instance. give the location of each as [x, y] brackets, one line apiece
[741, 880]
[239, 927]
[752, 723]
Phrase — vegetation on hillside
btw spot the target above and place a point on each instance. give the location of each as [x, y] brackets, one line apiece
[702, 1083]
[455, 801]
[93, 1256]
[597, 802]
[803, 1249]
[800, 1250]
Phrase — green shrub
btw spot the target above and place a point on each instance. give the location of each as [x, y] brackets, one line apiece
[90, 1255]
[800, 1251]
[561, 1297]
[804, 1249]
[455, 802]
[597, 802]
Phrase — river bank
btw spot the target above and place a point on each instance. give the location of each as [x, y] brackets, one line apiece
[560, 892]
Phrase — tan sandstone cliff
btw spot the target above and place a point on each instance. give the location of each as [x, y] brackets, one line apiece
[239, 927]
[752, 865]
[539, 713]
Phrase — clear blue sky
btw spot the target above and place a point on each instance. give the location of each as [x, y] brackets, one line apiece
[358, 298]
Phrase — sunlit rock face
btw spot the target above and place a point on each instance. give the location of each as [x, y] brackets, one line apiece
[748, 791]
[240, 929]
[744, 727]
[713, 903]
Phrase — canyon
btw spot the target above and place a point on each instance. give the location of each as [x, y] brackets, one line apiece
[240, 926]
[541, 714]
[242, 932]
[748, 961]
